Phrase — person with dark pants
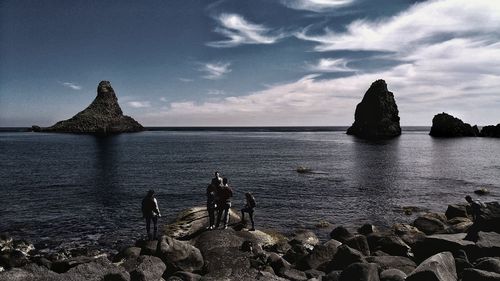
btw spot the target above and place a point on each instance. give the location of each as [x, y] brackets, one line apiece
[211, 205]
[151, 212]
[224, 195]
[249, 208]
[476, 212]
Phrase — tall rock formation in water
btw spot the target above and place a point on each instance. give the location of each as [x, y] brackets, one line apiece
[445, 125]
[376, 115]
[102, 116]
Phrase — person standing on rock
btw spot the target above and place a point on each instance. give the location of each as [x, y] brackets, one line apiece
[224, 195]
[217, 180]
[151, 212]
[249, 208]
[211, 205]
[475, 207]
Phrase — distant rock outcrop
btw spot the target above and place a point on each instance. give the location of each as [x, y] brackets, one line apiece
[376, 115]
[445, 125]
[102, 116]
[491, 131]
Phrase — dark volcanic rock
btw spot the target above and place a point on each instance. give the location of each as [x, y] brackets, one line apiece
[376, 115]
[445, 125]
[102, 116]
[490, 131]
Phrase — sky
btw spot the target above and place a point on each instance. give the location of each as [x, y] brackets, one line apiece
[249, 63]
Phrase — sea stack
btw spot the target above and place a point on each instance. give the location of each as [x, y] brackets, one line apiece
[376, 115]
[447, 126]
[491, 131]
[103, 116]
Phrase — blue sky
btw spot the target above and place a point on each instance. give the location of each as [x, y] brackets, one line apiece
[249, 63]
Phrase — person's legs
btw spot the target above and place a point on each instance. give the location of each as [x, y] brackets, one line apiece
[219, 214]
[148, 226]
[250, 213]
[155, 227]
[226, 213]
[211, 217]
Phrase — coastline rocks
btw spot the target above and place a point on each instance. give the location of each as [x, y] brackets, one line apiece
[103, 116]
[437, 243]
[147, 268]
[179, 255]
[387, 262]
[491, 131]
[430, 224]
[471, 274]
[440, 267]
[376, 116]
[392, 275]
[341, 234]
[360, 272]
[445, 125]
[320, 255]
[343, 258]
[456, 210]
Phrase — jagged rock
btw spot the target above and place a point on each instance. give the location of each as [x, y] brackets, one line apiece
[297, 253]
[341, 234]
[179, 255]
[148, 268]
[456, 210]
[392, 274]
[471, 274]
[489, 264]
[490, 217]
[360, 243]
[491, 131]
[377, 114]
[389, 243]
[437, 243]
[366, 229]
[386, 262]
[343, 258]
[440, 267]
[360, 272]
[277, 262]
[321, 254]
[102, 116]
[488, 244]
[408, 233]
[445, 125]
[429, 224]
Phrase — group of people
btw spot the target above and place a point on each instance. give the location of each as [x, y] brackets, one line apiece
[219, 195]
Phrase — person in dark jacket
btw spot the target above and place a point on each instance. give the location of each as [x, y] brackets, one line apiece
[476, 212]
[249, 208]
[211, 204]
[224, 195]
[151, 212]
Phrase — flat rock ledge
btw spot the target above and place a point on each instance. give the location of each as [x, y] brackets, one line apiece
[432, 248]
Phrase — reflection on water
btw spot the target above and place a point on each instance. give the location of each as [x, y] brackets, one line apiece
[67, 186]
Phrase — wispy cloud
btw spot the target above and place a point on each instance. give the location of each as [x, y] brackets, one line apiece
[451, 64]
[330, 65]
[163, 99]
[216, 70]
[316, 5]
[239, 31]
[214, 92]
[71, 85]
[139, 104]
[185, 79]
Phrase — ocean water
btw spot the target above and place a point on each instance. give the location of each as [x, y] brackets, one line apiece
[73, 190]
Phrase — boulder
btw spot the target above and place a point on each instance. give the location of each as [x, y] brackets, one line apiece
[491, 131]
[490, 217]
[179, 255]
[386, 262]
[187, 276]
[277, 263]
[61, 266]
[332, 276]
[344, 257]
[482, 191]
[148, 268]
[360, 243]
[13, 258]
[314, 273]
[429, 224]
[293, 274]
[440, 267]
[377, 115]
[148, 247]
[127, 253]
[409, 234]
[341, 234]
[445, 125]
[360, 272]
[305, 237]
[30, 272]
[320, 255]
[472, 274]
[97, 270]
[366, 229]
[392, 274]
[437, 243]
[390, 244]
[102, 116]
[488, 244]
[456, 210]
[297, 253]
[489, 264]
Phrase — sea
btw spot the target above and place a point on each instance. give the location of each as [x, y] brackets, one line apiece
[65, 190]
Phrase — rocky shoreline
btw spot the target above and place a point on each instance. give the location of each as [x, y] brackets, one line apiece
[431, 248]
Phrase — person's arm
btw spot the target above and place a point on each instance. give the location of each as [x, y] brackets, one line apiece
[156, 210]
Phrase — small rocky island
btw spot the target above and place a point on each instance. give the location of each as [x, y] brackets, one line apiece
[103, 116]
[432, 248]
[376, 115]
[445, 125]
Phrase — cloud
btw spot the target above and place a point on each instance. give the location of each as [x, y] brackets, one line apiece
[330, 65]
[139, 104]
[185, 79]
[213, 92]
[449, 60]
[163, 99]
[214, 71]
[316, 5]
[239, 31]
[71, 85]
